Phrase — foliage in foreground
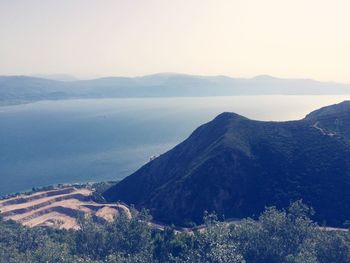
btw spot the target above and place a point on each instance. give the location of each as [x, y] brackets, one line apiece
[278, 236]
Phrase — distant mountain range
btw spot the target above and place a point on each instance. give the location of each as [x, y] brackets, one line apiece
[17, 89]
[59, 77]
[235, 167]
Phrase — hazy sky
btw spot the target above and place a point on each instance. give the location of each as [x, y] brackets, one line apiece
[87, 38]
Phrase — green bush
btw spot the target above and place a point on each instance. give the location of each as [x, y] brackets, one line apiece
[277, 236]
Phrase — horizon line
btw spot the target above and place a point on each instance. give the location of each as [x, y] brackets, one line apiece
[75, 78]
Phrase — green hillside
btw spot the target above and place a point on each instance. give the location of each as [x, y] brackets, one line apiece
[235, 167]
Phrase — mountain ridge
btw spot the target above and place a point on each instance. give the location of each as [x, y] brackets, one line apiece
[25, 88]
[235, 167]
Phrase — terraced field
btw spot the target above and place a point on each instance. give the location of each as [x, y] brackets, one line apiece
[57, 208]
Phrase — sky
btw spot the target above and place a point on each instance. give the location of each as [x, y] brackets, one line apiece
[238, 38]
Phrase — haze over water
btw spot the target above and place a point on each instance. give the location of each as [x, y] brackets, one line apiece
[51, 142]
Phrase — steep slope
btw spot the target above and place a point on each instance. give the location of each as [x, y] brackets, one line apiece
[236, 166]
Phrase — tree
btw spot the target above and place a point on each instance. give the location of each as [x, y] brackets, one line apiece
[277, 236]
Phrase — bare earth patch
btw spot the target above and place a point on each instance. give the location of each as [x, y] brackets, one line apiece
[57, 208]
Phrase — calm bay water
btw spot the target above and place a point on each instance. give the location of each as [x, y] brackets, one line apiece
[70, 141]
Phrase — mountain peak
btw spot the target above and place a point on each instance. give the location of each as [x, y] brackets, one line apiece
[229, 116]
[236, 167]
